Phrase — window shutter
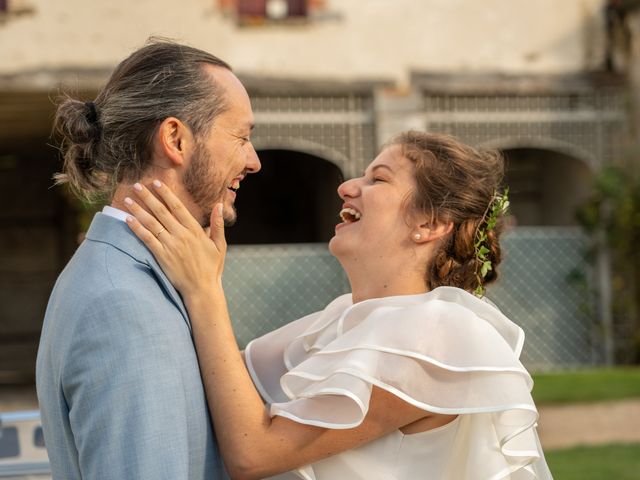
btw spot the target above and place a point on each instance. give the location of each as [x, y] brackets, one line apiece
[251, 8]
[297, 8]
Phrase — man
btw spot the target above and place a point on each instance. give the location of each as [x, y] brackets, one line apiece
[117, 375]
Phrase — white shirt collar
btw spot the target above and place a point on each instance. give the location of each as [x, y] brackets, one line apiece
[115, 213]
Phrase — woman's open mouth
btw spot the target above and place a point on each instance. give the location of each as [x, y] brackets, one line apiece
[350, 215]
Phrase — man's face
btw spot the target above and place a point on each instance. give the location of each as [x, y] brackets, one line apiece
[224, 155]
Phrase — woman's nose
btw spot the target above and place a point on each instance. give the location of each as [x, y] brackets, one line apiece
[348, 188]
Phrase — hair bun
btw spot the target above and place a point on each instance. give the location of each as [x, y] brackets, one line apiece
[92, 113]
[76, 124]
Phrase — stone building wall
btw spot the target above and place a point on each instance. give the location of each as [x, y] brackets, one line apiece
[345, 39]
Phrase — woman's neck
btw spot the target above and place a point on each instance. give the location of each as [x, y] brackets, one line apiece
[378, 283]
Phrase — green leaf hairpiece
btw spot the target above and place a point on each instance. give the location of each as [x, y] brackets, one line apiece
[498, 205]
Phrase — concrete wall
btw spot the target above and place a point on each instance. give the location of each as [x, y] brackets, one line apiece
[349, 39]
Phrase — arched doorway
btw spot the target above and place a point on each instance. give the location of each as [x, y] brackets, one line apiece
[546, 187]
[545, 279]
[38, 233]
[292, 200]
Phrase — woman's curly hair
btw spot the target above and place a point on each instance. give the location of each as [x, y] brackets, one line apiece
[455, 183]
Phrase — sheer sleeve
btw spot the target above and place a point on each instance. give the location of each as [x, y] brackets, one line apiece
[445, 352]
[265, 356]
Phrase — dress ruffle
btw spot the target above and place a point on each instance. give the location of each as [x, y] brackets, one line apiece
[445, 351]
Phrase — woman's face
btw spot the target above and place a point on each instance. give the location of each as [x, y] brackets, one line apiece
[374, 214]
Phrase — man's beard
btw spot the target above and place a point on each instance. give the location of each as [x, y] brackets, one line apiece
[204, 186]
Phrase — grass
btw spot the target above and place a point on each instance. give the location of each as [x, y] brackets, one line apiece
[607, 462]
[587, 386]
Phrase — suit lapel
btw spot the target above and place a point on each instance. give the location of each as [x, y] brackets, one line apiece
[116, 233]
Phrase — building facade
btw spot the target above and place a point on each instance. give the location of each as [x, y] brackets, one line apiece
[330, 81]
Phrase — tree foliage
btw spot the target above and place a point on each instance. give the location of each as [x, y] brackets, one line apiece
[612, 217]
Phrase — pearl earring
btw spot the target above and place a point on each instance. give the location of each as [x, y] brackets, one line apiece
[417, 236]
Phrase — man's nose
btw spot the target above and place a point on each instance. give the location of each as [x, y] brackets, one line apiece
[253, 162]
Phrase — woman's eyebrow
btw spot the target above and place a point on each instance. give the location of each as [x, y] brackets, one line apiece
[378, 167]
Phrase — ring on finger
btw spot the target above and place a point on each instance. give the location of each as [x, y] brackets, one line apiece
[158, 234]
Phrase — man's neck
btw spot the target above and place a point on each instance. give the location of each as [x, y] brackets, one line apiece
[122, 191]
[126, 190]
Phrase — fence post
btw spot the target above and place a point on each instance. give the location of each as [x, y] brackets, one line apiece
[603, 271]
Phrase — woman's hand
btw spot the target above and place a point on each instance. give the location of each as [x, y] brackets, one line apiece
[192, 260]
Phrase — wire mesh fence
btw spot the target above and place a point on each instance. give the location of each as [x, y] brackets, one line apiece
[546, 288]
[270, 285]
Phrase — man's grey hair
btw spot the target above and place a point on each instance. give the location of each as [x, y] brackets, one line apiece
[109, 140]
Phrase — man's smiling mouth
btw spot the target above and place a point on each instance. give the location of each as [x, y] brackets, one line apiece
[235, 186]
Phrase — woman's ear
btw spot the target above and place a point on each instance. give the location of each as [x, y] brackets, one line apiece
[174, 140]
[428, 232]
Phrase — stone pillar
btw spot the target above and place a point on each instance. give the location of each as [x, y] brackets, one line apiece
[397, 110]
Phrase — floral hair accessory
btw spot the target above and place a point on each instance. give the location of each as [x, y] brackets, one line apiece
[498, 205]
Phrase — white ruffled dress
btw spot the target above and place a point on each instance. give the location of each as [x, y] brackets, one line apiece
[444, 351]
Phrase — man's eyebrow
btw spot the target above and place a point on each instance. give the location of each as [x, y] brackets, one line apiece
[246, 126]
[239, 132]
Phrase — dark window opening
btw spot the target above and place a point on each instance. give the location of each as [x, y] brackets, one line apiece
[38, 437]
[545, 187]
[293, 199]
[9, 445]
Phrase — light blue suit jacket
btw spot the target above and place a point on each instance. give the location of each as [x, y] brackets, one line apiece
[117, 374]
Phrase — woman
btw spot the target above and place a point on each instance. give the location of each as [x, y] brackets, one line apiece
[411, 375]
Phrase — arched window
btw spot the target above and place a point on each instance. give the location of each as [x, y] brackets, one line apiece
[546, 187]
[293, 199]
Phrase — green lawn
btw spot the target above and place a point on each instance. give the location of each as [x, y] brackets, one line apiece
[608, 462]
[587, 386]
